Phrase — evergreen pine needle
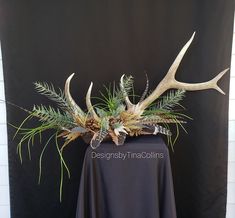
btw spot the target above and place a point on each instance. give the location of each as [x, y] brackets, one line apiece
[47, 90]
[52, 116]
[171, 100]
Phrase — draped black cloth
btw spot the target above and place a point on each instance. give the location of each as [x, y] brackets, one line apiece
[99, 41]
[133, 180]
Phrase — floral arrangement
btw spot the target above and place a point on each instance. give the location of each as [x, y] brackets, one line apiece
[115, 116]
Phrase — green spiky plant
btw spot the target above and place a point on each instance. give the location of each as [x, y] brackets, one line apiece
[49, 118]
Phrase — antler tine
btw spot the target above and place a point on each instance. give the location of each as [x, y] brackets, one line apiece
[127, 100]
[211, 84]
[89, 105]
[75, 108]
[169, 82]
[172, 71]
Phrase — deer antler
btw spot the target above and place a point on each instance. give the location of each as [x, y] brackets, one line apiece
[89, 105]
[169, 82]
[75, 108]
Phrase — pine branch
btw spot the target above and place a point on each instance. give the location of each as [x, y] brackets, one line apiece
[171, 100]
[52, 116]
[49, 91]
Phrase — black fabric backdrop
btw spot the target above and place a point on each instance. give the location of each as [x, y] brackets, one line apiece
[99, 40]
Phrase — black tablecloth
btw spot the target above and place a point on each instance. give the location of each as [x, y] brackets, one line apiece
[129, 181]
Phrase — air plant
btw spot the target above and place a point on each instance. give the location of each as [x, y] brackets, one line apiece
[115, 117]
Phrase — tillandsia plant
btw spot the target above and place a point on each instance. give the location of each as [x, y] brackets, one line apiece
[115, 116]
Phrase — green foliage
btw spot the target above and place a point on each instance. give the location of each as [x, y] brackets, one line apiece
[111, 102]
[53, 116]
[118, 110]
[49, 91]
[166, 106]
[62, 165]
[102, 112]
[104, 124]
[29, 135]
[164, 111]
[171, 100]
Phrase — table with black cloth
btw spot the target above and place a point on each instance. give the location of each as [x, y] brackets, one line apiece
[129, 181]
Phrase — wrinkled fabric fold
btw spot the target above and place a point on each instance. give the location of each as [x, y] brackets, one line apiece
[133, 180]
